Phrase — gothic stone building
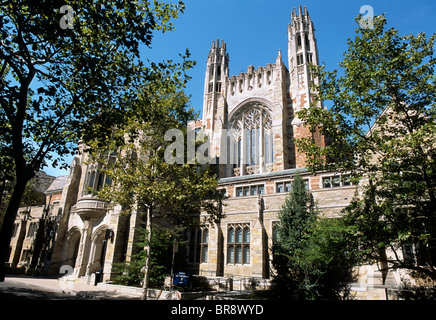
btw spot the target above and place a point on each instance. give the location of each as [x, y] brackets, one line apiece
[251, 119]
[258, 108]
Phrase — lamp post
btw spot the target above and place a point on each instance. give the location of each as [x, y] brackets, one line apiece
[175, 249]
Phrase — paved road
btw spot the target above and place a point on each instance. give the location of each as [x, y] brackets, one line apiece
[20, 291]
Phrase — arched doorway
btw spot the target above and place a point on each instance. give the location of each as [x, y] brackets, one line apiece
[98, 251]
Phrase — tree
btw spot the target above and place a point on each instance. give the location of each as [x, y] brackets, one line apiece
[141, 178]
[296, 217]
[311, 253]
[66, 75]
[381, 128]
[131, 273]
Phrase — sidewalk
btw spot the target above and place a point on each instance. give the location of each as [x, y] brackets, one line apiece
[86, 291]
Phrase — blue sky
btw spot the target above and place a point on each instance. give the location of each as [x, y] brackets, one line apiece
[255, 30]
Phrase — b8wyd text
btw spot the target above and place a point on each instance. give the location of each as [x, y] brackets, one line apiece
[225, 309]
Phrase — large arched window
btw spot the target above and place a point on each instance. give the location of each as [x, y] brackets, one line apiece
[253, 141]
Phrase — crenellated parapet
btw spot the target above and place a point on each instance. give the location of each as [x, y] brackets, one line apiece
[252, 79]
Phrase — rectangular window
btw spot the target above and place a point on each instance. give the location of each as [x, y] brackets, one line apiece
[306, 38]
[231, 255]
[253, 191]
[336, 181]
[238, 237]
[275, 231]
[239, 192]
[238, 255]
[250, 190]
[327, 182]
[253, 147]
[198, 244]
[300, 59]
[238, 244]
[32, 229]
[288, 186]
[346, 181]
[246, 255]
[309, 57]
[204, 254]
[239, 153]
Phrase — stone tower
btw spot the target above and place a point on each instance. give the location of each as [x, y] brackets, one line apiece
[217, 73]
[251, 118]
[302, 51]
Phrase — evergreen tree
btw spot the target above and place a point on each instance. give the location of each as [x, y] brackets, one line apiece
[312, 256]
[296, 217]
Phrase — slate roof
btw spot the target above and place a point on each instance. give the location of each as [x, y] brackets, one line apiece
[57, 185]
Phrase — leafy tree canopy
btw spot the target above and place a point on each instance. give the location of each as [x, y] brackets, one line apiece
[381, 128]
[67, 71]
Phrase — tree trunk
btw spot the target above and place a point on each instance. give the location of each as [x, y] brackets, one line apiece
[8, 222]
[148, 260]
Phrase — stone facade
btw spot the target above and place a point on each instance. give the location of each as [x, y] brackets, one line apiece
[251, 122]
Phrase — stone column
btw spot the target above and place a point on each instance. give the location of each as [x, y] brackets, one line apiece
[243, 147]
[258, 244]
[84, 249]
[261, 145]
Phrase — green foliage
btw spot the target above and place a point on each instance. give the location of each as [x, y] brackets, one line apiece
[59, 85]
[132, 156]
[53, 80]
[382, 128]
[131, 273]
[311, 257]
[140, 176]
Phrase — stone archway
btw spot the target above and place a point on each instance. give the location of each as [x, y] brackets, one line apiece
[73, 243]
[97, 255]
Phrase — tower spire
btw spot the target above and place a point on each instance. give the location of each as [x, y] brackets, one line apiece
[217, 71]
[302, 52]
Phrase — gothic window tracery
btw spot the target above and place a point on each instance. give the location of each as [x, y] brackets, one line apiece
[253, 140]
